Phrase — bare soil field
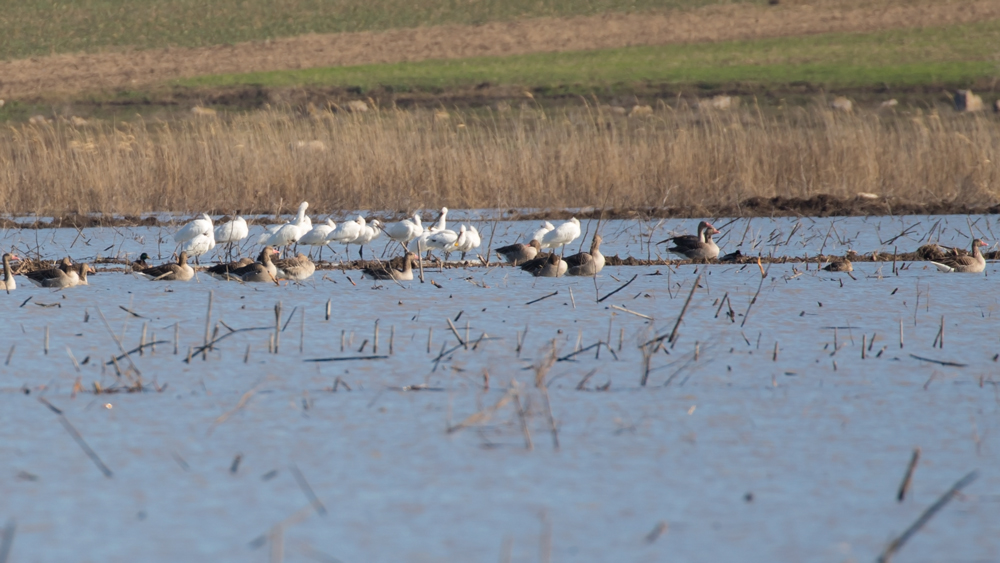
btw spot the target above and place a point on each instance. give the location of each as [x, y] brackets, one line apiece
[61, 75]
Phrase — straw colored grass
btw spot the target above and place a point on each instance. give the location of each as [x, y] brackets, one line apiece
[527, 157]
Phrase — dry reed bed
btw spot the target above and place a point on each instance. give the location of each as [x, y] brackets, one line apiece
[569, 157]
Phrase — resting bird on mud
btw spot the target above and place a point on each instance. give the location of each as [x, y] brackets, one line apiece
[181, 271]
[973, 263]
[517, 254]
[586, 263]
[700, 247]
[386, 271]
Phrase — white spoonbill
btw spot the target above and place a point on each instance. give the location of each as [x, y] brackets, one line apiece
[406, 230]
[442, 222]
[444, 240]
[199, 226]
[369, 232]
[468, 240]
[319, 235]
[199, 245]
[290, 233]
[346, 232]
[544, 230]
[231, 232]
[562, 235]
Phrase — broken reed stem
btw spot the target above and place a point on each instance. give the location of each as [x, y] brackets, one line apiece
[78, 438]
[680, 317]
[454, 331]
[328, 301]
[177, 336]
[775, 357]
[896, 544]
[142, 338]
[208, 317]
[375, 339]
[528, 445]
[430, 335]
[552, 420]
[901, 333]
[864, 345]
[277, 326]
[904, 487]
[392, 337]
[755, 295]
[46, 344]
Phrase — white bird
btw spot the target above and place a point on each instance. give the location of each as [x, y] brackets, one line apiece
[319, 235]
[442, 222]
[232, 232]
[199, 245]
[290, 233]
[369, 232]
[444, 240]
[540, 233]
[562, 235]
[200, 226]
[406, 230]
[346, 232]
[468, 240]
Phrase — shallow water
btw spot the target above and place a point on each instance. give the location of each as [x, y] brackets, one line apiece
[819, 438]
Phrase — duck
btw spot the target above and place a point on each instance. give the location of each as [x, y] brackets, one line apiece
[696, 247]
[179, 271]
[263, 270]
[199, 226]
[586, 263]
[139, 264]
[406, 230]
[839, 266]
[8, 283]
[519, 253]
[562, 235]
[296, 269]
[385, 270]
[972, 263]
[64, 275]
[223, 271]
[546, 266]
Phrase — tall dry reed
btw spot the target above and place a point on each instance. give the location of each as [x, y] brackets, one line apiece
[569, 157]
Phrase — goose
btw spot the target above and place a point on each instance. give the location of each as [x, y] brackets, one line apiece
[199, 226]
[263, 270]
[319, 235]
[8, 283]
[346, 232]
[65, 275]
[406, 230]
[839, 266]
[296, 269]
[468, 240]
[385, 270]
[81, 273]
[586, 263]
[544, 230]
[232, 232]
[519, 253]
[199, 245]
[224, 271]
[181, 271]
[698, 247]
[562, 235]
[140, 264]
[550, 266]
[369, 232]
[965, 263]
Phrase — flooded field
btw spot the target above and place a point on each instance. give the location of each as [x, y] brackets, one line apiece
[485, 417]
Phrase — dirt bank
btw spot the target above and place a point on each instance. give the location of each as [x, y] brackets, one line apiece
[58, 76]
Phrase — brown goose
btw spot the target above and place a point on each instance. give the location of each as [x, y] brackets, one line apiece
[263, 270]
[586, 263]
[839, 266]
[81, 273]
[698, 247]
[518, 253]
[65, 275]
[8, 282]
[180, 271]
[386, 271]
[295, 269]
[548, 266]
[966, 263]
[224, 271]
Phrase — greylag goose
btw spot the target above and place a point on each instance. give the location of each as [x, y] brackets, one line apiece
[8, 282]
[586, 263]
[696, 247]
[224, 271]
[179, 271]
[548, 266]
[519, 253]
[839, 266]
[65, 275]
[81, 273]
[295, 269]
[263, 270]
[966, 263]
[386, 271]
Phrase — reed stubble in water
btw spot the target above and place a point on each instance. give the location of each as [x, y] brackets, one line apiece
[394, 159]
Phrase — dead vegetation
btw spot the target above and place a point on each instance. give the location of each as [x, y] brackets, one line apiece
[742, 161]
